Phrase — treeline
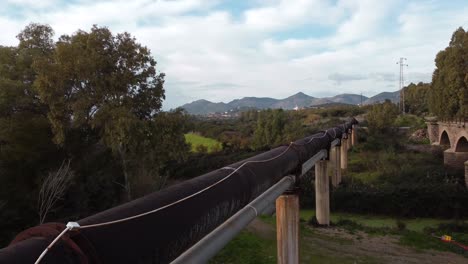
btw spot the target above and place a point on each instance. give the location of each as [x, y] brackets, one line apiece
[91, 100]
[264, 129]
[448, 97]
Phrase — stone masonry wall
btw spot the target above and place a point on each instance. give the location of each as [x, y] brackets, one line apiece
[466, 173]
[455, 160]
[433, 132]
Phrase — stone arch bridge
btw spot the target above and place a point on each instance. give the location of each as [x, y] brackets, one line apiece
[453, 137]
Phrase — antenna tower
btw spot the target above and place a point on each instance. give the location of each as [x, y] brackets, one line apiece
[402, 84]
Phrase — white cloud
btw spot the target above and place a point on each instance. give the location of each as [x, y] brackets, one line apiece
[209, 52]
[288, 14]
[32, 3]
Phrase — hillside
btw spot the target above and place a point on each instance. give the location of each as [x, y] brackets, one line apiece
[348, 98]
[381, 97]
[203, 107]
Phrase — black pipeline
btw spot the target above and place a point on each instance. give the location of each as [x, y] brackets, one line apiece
[161, 236]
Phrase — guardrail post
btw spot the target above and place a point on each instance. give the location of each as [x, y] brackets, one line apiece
[344, 152]
[322, 193]
[287, 228]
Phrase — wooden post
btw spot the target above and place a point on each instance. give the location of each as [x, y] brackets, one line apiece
[322, 193]
[344, 153]
[287, 228]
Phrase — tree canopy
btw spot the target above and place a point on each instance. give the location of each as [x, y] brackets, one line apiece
[91, 98]
[381, 116]
[449, 89]
[416, 97]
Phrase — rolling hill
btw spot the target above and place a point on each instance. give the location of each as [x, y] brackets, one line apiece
[203, 107]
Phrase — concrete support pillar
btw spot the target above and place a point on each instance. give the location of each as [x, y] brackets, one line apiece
[344, 153]
[335, 165]
[348, 141]
[354, 136]
[466, 173]
[322, 193]
[338, 163]
[331, 166]
[287, 228]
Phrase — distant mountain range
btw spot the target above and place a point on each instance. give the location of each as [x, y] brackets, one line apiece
[203, 107]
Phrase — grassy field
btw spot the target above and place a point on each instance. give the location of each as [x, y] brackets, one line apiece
[417, 224]
[196, 140]
[352, 245]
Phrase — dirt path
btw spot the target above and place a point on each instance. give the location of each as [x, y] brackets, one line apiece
[356, 248]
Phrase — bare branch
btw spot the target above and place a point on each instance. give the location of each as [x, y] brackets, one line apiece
[53, 189]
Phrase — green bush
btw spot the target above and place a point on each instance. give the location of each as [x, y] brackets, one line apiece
[412, 121]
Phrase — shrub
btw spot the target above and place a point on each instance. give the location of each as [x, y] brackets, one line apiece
[201, 148]
[401, 226]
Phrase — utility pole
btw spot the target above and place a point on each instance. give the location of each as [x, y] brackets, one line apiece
[402, 84]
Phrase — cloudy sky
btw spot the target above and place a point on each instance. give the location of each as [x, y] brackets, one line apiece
[222, 50]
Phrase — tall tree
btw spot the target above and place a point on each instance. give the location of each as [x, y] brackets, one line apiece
[26, 148]
[449, 90]
[416, 97]
[108, 84]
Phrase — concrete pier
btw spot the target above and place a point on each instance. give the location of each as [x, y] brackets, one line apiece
[354, 136]
[322, 193]
[287, 228]
[344, 153]
[348, 141]
[334, 167]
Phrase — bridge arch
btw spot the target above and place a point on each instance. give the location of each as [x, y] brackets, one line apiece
[462, 145]
[444, 139]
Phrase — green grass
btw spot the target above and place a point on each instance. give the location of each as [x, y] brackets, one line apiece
[248, 248]
[417, 224]
[195, 140]
[417, 232]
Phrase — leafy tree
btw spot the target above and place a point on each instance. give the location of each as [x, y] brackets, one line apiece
[275, 127]
[416, 97]
[381, 116]
[449, 90]
[106, 84]
[269, 131]
[26, 149]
